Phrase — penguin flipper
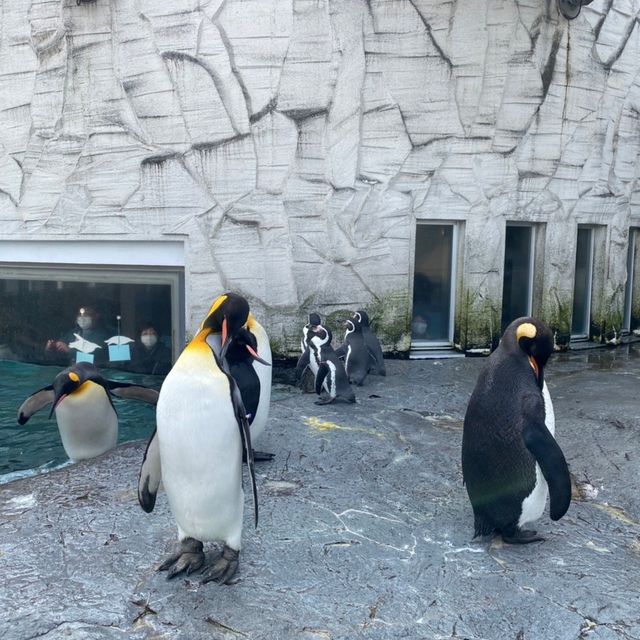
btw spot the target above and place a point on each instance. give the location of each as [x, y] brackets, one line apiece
[130, 391]
[323, 372]
[548, 455]
[302, 364]
[245, 434]
[150, 475]
[341, 351]
[35, 402]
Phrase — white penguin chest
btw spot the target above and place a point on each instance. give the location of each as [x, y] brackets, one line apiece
[533, 505]
[87, 422]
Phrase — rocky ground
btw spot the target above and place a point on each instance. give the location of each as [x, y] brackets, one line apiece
[365, 528]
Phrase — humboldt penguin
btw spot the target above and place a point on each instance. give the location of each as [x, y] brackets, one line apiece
[306, 368]
[81, 400]
[356, 355]
[331, 375]
[510, 459]
[202, 430]
[376, 359]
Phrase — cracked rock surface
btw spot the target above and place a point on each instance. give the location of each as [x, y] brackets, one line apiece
[312, 134]
[365, 527]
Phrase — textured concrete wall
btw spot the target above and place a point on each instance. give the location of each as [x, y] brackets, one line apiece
[293, 144]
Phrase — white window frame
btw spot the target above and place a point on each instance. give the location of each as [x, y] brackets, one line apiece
[586, 320]
[102, 261]
[532, 259]
[439, 344]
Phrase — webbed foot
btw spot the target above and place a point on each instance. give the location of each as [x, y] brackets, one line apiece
[189, 558]
[259, 456]
[327, 400]
[521, 536]
[223, 568]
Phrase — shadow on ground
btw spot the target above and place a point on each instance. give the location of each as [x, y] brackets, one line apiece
[365, 528]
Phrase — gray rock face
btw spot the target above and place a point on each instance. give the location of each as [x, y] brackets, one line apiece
[365, 527]
[311, 135]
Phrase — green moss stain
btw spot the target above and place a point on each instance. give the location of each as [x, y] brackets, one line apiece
[478, 322]
[556, 313]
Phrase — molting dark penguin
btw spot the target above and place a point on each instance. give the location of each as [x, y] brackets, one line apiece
[510, 459]
[81, 399]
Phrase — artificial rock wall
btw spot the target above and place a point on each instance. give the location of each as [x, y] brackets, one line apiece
[293, 144]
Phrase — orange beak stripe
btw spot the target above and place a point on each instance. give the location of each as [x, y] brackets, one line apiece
[534, 366]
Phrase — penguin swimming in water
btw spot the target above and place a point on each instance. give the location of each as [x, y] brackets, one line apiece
[510, 459]
[81, 400]
[331, 375]
[202, 430]
[356, 354]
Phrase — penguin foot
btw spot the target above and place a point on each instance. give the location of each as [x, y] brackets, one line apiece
[223, 568]
[259, 456]
[521, 536]
[327, 400]
[263, 456]
[189, 558]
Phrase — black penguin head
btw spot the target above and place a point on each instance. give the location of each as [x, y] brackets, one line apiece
[243, 347]
[361, 317]
[227, 315]
[314, 319]
[535, 339]
[70, 380]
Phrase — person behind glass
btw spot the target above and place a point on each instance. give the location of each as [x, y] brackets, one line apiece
[149, 354]
[88, 327]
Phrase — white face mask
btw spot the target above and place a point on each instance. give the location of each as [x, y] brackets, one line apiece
[149, 340]
[84, 322]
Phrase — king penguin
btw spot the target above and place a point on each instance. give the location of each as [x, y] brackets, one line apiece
[202, 429]
[510, 459]
[81, 400]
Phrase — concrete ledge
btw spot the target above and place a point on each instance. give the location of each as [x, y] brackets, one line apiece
[365, 528]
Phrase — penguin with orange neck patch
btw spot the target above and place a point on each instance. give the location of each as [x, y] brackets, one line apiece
[197, 450]
[510, 459]
[81, 399]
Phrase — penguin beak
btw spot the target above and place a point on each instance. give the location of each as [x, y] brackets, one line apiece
[225, 339]
[255, 356]
[56, 402]
[536, 369]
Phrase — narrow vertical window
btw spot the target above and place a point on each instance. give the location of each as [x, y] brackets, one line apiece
[433, 287]
[581, 317]
[517, 284]
[630, 320]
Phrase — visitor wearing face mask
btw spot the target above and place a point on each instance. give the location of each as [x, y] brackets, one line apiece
[87, 325]
[150, 355]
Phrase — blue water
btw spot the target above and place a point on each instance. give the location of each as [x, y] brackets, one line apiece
[36, 447]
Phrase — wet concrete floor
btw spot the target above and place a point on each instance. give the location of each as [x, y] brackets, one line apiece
[365, 527]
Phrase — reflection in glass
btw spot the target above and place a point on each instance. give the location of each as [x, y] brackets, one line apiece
[516, 287]
[582, 285]
[46, 321]
[432, 283]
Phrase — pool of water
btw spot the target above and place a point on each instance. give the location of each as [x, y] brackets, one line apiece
[36, 447]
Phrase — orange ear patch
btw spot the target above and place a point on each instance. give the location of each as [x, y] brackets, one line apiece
[526, 330]
[74, 376]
